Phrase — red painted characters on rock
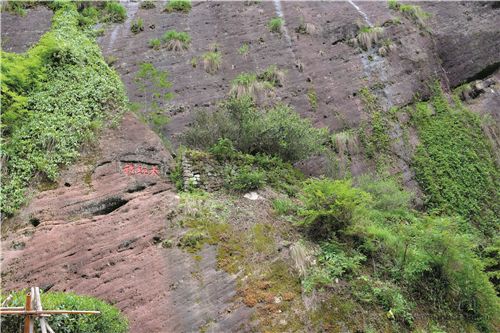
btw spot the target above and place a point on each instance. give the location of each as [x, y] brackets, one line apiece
[131, 169]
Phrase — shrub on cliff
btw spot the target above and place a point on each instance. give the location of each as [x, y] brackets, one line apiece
[109, 321]
[278, 131]
[432, 258]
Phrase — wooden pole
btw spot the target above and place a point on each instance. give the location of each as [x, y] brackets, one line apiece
[46, 312]
[39, 308]
[27, 319]
[32, 321]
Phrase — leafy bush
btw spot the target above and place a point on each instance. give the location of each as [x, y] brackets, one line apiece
[330, 205]
[279, 131]
[178, 6]
[332, 263]
[154, 85]
[433, 258]
[387, 194]
[137, 26]
[89, 16]
[176, 41]
[114, 12]
[246, 179]
[223, 149]
[275, 24]
[386, 294]
[155, 43]
[147, 4]
[212, 61]
[54, 97]
[17, 7]
[284, 206]
[109, 321]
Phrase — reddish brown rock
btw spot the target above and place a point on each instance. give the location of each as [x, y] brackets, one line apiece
[100, 233]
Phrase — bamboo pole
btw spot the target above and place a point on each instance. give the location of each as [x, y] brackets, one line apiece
[27, 319]
[46, 312]
[7, 300]
[39, 308]
[32, 320]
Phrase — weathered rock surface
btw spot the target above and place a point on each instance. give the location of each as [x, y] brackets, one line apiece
[323, 62]
[19, 33]
[467, 38]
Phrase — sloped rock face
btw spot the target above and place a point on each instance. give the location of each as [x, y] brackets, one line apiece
[322, 63]
[19, 33]
[100, 233]
[467, 38]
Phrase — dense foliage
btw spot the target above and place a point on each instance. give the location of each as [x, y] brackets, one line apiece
[430, 258]
[454, 163]
[53, 98]
[109, 321]
[278, 131]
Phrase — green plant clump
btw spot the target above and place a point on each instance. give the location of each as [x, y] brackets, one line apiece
[278, 131]
[178, 6]
[137, 26]
[413, 12]
[110, 320]
[276, 25]
[147, 4]
[114, 12]
[154, 85]
[212, 61]
[176, 41]
[155, 43]
[54, 97]
[313, 99]
[246, 179]
[273, 75]
[244, 49]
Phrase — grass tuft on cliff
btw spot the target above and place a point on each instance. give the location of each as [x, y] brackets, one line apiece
[212, 61]
[54, 98]
[176, 41]
[183, 6]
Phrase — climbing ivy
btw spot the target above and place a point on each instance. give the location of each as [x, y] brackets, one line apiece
[54, 97]
[454, 163]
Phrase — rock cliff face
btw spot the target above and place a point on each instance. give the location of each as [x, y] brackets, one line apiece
[100, 233]
[323, 63]
[102, 229]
